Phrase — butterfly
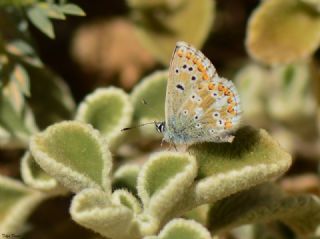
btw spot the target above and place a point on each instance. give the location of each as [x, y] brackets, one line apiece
[200, 106]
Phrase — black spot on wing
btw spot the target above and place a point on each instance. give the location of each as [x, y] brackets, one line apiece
[180, 87]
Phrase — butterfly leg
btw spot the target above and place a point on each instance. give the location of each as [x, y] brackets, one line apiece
[173, 144]
[162, 142]
[175, 147]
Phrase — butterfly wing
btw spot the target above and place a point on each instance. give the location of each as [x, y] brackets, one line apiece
[200, 106]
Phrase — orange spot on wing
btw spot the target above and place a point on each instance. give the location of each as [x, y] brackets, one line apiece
[195, 60]
[227, 92]
[230, 100]
[228, 125]
[188, 55]
[231, 110]
[205, 76]
[221, 87]
[200, 67]
[180, 53]
[211, 86]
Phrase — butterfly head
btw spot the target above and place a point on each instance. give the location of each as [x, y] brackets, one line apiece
[160, 126]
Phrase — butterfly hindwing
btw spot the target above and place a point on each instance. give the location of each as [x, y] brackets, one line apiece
[200, 106]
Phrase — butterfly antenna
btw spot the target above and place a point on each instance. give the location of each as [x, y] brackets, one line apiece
[137, 126]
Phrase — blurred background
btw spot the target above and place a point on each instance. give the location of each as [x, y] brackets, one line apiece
[53, 55]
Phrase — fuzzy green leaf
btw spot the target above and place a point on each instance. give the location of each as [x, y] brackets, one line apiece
[152, 90]
[251, 85]
[107, 110]
[181, 228]
[191, 21]
[124, 198]
[265, 203]
[226, 168]
[94, 209]
[17, 202]
[36, 178]
[75, 154]
[295, 31]
[163, 180]
[292, 100]
[126, 178]
[199, 214]
[40, 20]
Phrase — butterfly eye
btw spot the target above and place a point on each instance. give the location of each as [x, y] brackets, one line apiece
[198, 125]
[177, 70]
[196, 117]
[211, 131]
[185, 112]
[190, 68]
[184, 66]
[193, 78]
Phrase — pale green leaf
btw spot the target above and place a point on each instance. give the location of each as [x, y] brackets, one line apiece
[72, 9]
[94, 209]
[183, 229]
[18, 126]
[148, 99]
[125, 177]
[192, 22]
[283, 31]
[108, 110]
[122, 197]
[10, 118]
[250, 81]
[74, 154]
[14, 95]
[20, 75]
[163, 180]
[52, 10]
[292, 99]
[40, 20]
[56, 97]
[226, 168]
[19, 47]
[36, 178]
[265, 203]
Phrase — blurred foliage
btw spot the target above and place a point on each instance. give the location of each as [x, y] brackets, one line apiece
[114, 63]
[21, 66]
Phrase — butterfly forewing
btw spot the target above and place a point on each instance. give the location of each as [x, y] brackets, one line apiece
[200, 106]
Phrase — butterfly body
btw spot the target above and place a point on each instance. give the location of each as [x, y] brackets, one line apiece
[200, 105]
